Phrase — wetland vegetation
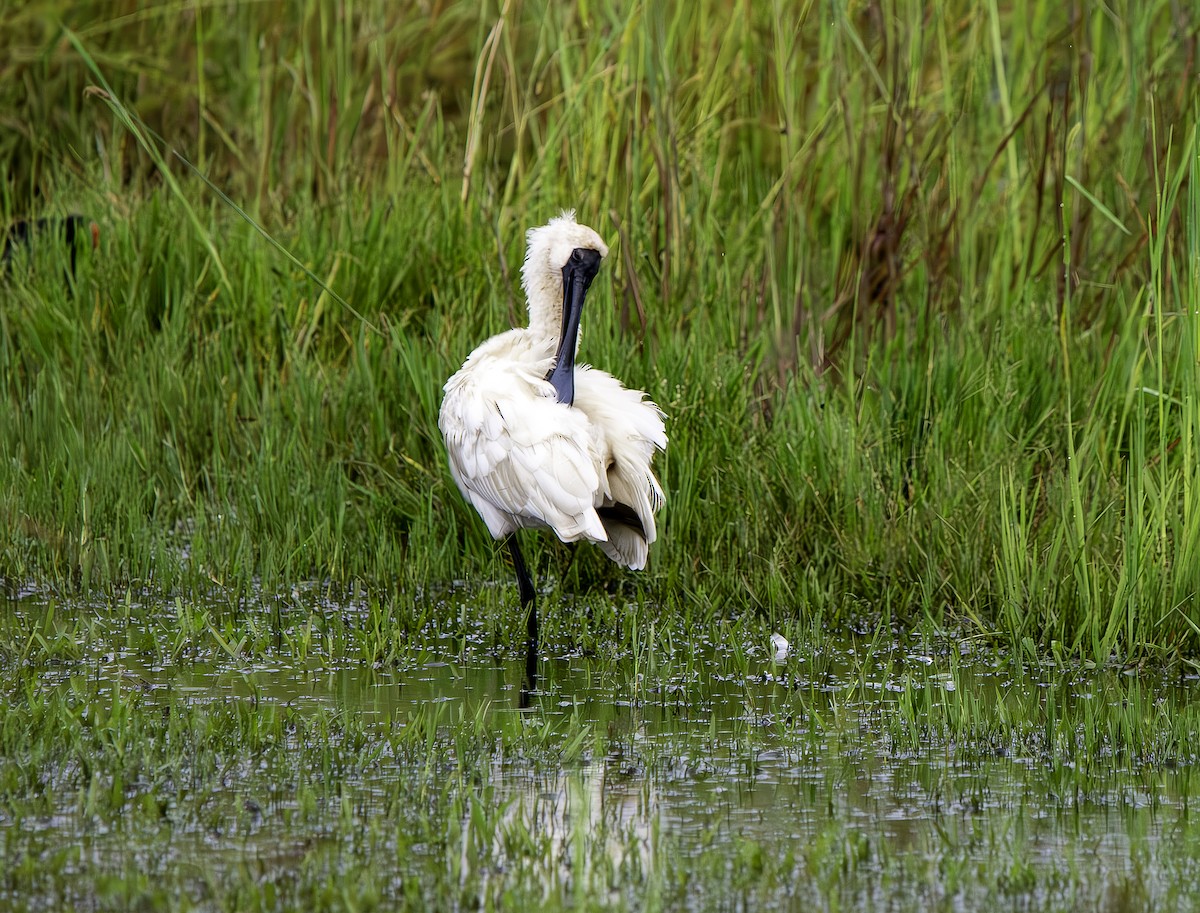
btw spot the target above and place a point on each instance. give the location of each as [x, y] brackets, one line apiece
[917, 286]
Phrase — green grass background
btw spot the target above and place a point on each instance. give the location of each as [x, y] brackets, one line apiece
[916, 284]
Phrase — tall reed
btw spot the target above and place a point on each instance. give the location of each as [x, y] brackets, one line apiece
[915, 284]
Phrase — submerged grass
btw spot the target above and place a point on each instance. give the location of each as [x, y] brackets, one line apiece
[297, 773]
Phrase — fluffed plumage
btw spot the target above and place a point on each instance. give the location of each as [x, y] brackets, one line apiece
[525, 459]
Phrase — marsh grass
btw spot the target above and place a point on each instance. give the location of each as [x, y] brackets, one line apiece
[290, 774]
[915, 285]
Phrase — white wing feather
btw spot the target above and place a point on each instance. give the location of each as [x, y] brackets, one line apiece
[518, 455]
[631, 431]
[525, 460]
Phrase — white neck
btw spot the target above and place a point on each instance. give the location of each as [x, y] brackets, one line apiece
[544, 296]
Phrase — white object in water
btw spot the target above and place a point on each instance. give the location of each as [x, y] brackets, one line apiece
[781, 647]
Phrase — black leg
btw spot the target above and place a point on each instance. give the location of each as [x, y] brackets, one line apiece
[524, 581]
[525, 588]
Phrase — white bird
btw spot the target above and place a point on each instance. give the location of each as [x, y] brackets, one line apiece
[536, 441]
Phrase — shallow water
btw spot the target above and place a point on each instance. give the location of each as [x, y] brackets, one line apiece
[846, 775]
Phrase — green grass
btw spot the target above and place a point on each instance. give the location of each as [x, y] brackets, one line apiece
[916, 284]
[915, 287]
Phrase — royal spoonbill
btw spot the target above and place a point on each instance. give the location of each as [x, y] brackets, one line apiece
[537, 441]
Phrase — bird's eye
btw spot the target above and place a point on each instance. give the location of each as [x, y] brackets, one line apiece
[577, 256]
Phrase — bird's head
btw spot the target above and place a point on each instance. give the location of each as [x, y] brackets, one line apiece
[561, 260]
[556, 252]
